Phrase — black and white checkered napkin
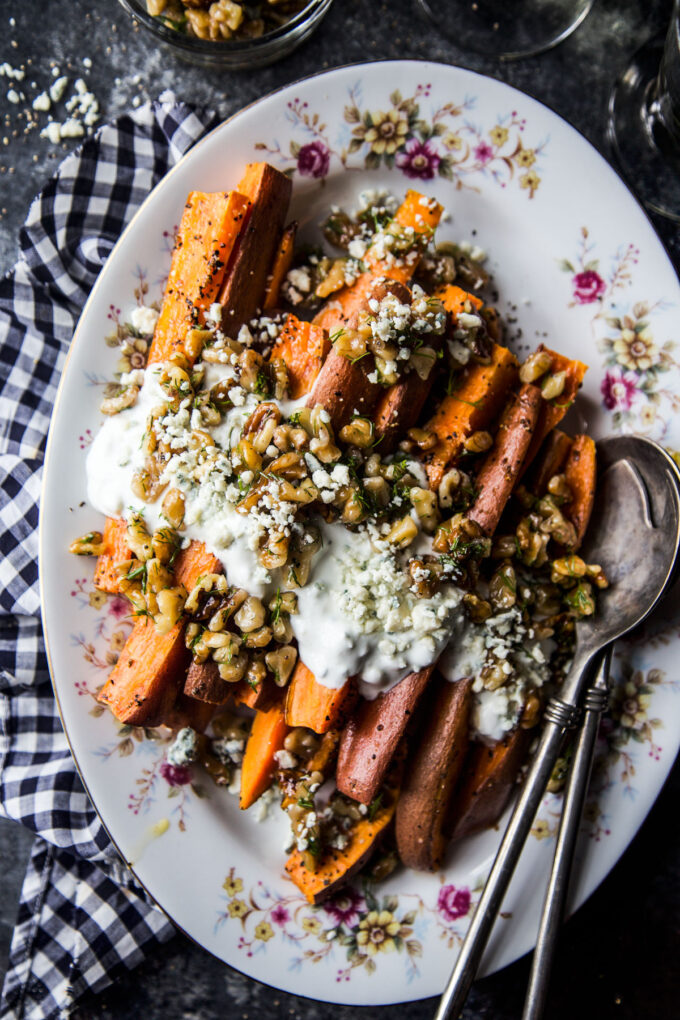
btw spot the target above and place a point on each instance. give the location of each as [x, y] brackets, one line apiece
[82, 918]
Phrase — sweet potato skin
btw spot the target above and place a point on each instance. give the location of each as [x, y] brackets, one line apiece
[553, 411]
[190, 712]
[244, 287]
[501, 467]
[204, 683]
[399, 406]
[549, 462]
[488, 779]
[373, 733]
[581, 472]
[342, 385]
[473, 405]
[431, 776]
[116, 550]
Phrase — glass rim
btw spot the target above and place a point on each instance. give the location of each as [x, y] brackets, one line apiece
[135, 9]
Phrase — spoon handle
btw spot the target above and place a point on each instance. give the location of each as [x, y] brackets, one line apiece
[558, 884]
[559, 716]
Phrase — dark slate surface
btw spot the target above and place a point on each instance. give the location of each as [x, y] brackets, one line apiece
[619, 953]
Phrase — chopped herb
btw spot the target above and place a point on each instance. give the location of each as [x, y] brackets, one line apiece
[276, 611]
[374, 807]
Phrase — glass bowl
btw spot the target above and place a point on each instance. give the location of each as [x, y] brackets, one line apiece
[234, 54]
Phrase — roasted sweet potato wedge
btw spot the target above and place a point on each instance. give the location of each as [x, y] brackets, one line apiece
[204, 683]
[267, 735]
[319, 708]
[489, 776]
[553, 411]
[303, 347]
[116, 550]
[473, 405]
[581, 473]
[550, 461]
[338, 866]
[500, 470]
[373, 733]
[208, 234]
[283, 259]
[431, 775]
[243, 291]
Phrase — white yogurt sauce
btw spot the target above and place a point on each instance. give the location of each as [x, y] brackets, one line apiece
[357, 615]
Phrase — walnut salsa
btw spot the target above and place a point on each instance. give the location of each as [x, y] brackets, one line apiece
[345, 507]
[222, 20]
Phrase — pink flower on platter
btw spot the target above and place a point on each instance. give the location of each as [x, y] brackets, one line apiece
[313, 160]
[453, 903]
[588, 286]
[344, 908]
[119, 607]
[419, 159]
[483, 152]
[618, 390]
[175, 775]
[279, 914]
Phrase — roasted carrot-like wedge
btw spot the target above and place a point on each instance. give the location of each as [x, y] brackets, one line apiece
[283, 259]
[267, 735]
[303, 347]
[488, 779]
[554, 410]
[399, 407]
[116, 550]
[500, 470]
[415, 211]
[431, 776]
[473, 405]
[243, 291]
[336, 867]
[143, 685]
[550, 461]
[208, 233]
[581, 473]
[309, 703]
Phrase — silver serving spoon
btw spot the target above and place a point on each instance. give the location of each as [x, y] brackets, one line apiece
[634, 534]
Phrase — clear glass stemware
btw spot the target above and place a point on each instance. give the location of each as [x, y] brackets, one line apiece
[507, 29]
[644, 122]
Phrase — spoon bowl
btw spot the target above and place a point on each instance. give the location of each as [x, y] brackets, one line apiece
[634, 534]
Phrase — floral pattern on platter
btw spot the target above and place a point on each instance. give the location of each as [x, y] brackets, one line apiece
[443, 142]
[354, 927]
[627, 723]
[640, 385]
[157, 776]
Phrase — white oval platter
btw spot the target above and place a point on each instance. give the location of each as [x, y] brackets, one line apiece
[577, 264]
